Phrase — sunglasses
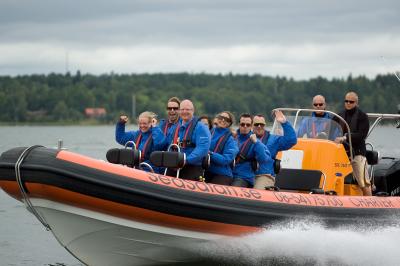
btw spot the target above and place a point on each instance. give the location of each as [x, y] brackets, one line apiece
[245, 125]
[172, 108]
[259, 125]
[318, 104]
[349, 101]
[223, 118]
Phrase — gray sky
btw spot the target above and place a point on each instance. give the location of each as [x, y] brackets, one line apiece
[296, 38]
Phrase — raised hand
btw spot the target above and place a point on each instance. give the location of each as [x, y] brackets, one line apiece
[253, 138]
[123, 119]
[279, 116]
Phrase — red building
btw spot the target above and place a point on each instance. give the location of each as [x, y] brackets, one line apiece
[95, 112]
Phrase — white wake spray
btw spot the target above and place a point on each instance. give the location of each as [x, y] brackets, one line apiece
[310, 243]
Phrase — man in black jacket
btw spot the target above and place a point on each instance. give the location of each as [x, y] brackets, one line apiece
[359, 127]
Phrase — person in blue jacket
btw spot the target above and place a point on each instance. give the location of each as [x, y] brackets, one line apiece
[223, 150]
[251, 151]
[193, 138]
[147, 139]
[168, 125]
[265, 175]
[320, 124]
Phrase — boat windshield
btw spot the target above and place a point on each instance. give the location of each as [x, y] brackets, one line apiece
[309, 126]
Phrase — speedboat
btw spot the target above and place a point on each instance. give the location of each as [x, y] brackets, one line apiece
[116, 213]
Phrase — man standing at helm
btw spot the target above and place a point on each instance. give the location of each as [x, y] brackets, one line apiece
[359, 127]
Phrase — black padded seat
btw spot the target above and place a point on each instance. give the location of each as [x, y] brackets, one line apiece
[168, 159]
[298, 179]
[372, 157]
[128, 157]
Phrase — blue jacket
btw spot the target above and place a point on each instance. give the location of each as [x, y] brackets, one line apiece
[170, 126]
[312, 126]
[200, 138]
[158, 137]
[276, 143]
[257, 151]
[221, 163]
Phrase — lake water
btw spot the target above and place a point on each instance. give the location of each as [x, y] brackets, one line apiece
[24, 241]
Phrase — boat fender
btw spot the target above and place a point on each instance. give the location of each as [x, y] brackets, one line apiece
[317, 191]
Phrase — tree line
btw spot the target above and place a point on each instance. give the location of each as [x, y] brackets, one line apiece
[63, 97]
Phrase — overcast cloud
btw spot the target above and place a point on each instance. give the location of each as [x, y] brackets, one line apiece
[300, 39]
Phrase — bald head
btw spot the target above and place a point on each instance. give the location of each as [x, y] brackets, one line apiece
[186, 110]
[187, 104]
[319, 104]
[319, 98]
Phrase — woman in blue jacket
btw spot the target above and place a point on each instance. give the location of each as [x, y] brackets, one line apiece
[223, 150]
[147, 139]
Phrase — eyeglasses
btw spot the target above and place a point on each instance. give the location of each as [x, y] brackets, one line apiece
[172, 108]
[224, 118]
[349, 101]
[259, 125]
[318, 104]
[185, 110]
[245, 124]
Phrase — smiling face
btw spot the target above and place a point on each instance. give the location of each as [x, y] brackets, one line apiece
[144, 123]
[259, 125]
[245, 125]
[186, 110]
[173, 111]
[223, 120]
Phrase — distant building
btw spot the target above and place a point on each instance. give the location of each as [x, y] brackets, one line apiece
[95, 112]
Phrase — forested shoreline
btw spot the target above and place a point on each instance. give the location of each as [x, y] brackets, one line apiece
[62, 98]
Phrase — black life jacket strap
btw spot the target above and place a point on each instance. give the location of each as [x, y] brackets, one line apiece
[244, 150]
[187, 138]
[265, 137]
[219, 147]
[147, 146]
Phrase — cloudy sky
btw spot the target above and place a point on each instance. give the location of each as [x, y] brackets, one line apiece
[293, 38]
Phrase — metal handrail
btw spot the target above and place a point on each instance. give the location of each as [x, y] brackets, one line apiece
[178, 150]
[379, 118]
[174, 145]
[130, 142]
[298, 110]
[146, 165]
